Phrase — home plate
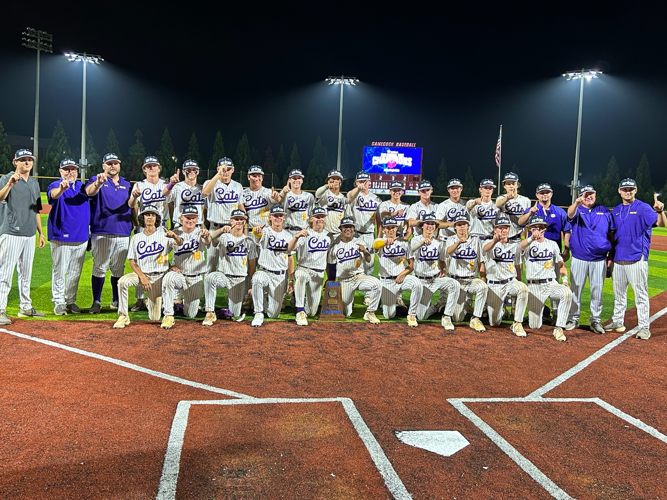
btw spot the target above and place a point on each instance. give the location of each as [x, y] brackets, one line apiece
[444, 443]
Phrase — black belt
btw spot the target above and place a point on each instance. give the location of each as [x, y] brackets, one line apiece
[310, 268]
[359, 232]
[155, 273]
[233, 276]
[540, 282]
[270, 271]
[294, 228]
[191, 275]
[426, 277]
[502, 282]
[390, 277]
[462, 277]
[482, 236]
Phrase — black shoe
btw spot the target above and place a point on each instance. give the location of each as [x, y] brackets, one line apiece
[96, 308]
[138, 306]
[73, 308]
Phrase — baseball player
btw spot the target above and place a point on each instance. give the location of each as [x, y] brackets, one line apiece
[330, 197]
[502, 259]
[189, 265]
[659, 208]
[416, 211]
[483, 211]
[272, 264]
[312, 245]
[429, 257]
[149, 259]
[540, 257]
[257, 198]
[223, 195]
[297, 203]
[513, 204]
[632, 241]
[394, 208]
[450, 209]
[67, 229]
[363, 206]
[394, 267]
[590, 242]
[185, 192]
[344, 262]
[466, 262]
[110, 227]
[17, 236]
[236, 250]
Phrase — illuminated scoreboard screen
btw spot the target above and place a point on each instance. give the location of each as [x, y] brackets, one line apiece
[386, 163]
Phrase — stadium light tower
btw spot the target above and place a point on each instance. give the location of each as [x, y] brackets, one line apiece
[41, 42]
[85, 59]
[342, 81]
[581, 75]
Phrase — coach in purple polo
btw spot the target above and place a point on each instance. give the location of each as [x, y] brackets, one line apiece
[67, 229]
[110, 227]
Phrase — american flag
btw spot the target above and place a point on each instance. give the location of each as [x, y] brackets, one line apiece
[498, 146]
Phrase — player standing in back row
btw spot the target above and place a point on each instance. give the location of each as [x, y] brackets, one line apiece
[513, 204]
[330, 197]
[363, 208]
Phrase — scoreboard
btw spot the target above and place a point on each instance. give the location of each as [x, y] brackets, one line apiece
[385, 162]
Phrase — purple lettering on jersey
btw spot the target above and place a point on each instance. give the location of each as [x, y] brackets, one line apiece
[486, 213]
[317, 245]
[145, 249]
[236, 249]
[428, 254]
[254, 203]
[503, 256]
[465, 253]
[277, 244]
[513, 208]
[537, 255]
[335, 205]
[149, 196]
[453, 212]
[188, 196]
[296, 206]
[187, 247]
[393, 251]
[343, 255]
[222, 196]
[364, 205]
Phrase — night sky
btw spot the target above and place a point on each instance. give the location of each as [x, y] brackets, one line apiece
[445, 79]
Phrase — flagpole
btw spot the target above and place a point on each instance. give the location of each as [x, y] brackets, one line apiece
[499, 153]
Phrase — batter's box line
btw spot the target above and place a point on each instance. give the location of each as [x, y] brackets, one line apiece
[172, 459]
[526, 465]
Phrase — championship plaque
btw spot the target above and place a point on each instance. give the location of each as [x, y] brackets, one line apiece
[332, 303]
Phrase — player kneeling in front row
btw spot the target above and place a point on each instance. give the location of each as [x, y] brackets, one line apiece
[541, 256]
[236, 249]
[149, 259]
[429, 256]
[312, 245]
[394, 267]
[345, 263]
[188, 268]
[503, 259]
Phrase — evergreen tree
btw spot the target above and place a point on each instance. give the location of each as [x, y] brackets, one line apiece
[94, 159]
[218, 152]
[111, 146]
[242, 157]
[135, 158]
[645, 187]
[607, 191]
[193, 150]
[57, 150]
[255, 158]
[166, 155]
[270, 169]
[318, 167]
[295, 161]
[470, 187]
[663, 192]
[6, 156]
[440, 186]
[281, 167]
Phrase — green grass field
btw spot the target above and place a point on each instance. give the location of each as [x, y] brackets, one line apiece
[41, 290]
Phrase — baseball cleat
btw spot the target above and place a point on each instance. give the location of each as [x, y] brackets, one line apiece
[138, 306]
[596, 327]
[447, 323]
[258, 320]
[643, 334]
[559, 335]
[571, 325]
[167, 322]
[73, 308]
[209, 319]
[399, 302]
[371, 318]
[114, 305]
[614, 327]
[301, 319]
[4, 319]
[31, 313]
[60, 310]
[412, 320]
[367, 301]
[476, 324]
[122, 321]
[95, 308]
[517, 329]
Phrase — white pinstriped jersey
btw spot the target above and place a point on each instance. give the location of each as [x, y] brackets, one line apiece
[514, 209]
[427, 257]
[235, 252]
[392, 208]
[151, 252]
[298, 208]
[418, 210]
[189, 257]
[347, 258]
[363, 210]
[501, 261]
[540, 259]
[183, 194]
[482, 217]
[335, 205]
[223, 199]
[257, 205]
[448, 211]
[311, 250]
[466, 258]
[273, 253]
[151, 194]
[392, 259]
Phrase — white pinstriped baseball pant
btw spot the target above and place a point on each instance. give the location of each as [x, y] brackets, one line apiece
[392, 290]
[68, 261]
[538, 293]
[153, 296]
[308, 289]
[447, 286]
[236, 290]
[495, 300]
[275, 286]
[472, 286]
[363, 283]
[596, 272]
[191, 286]
[634, 274]
[16, 251]
[109, 252]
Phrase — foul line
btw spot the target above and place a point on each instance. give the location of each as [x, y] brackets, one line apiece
[131, 366]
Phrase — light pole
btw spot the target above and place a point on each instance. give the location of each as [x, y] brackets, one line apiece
[581, 75]
[41, 42]
[342, 81]
[85, 59]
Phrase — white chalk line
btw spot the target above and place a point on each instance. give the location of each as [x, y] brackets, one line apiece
[536, 397]
[171, 467]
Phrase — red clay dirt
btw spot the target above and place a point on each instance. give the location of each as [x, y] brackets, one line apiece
[77, 427]
[659, 242]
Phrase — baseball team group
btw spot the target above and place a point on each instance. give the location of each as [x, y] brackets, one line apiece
[262, 244]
